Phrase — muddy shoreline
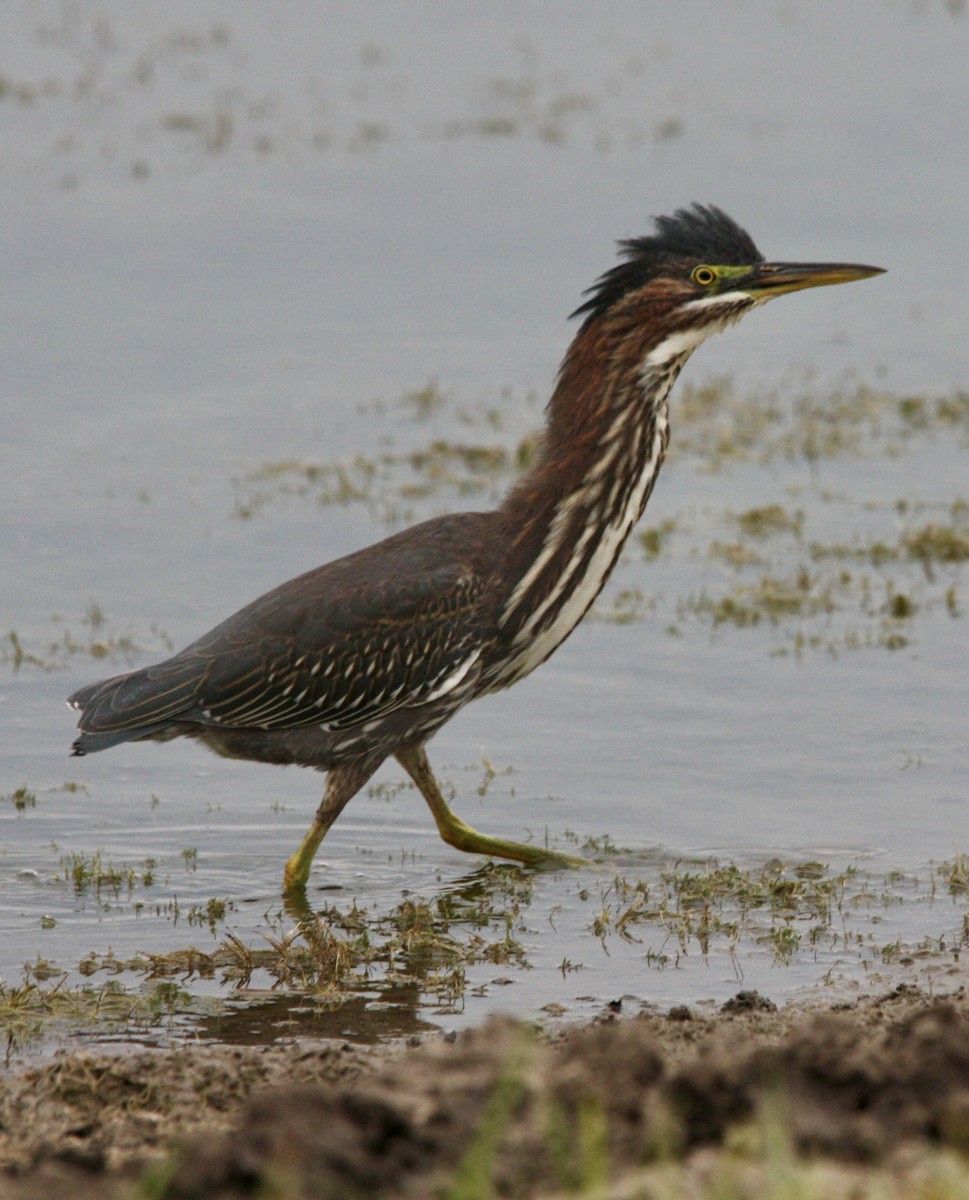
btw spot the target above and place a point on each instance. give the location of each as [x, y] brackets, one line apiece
[858, 1084]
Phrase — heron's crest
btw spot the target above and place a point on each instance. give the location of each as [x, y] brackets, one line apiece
[701, 233]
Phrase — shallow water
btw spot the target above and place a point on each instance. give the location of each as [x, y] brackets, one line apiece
[239, 241]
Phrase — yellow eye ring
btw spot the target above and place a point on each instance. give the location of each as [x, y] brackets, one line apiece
[704, 276]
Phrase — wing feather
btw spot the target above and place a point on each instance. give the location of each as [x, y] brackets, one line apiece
[380, 630]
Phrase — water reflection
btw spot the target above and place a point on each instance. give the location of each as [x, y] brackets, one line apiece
[362, 1017]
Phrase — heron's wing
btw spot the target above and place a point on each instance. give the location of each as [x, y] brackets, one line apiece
[398, 624]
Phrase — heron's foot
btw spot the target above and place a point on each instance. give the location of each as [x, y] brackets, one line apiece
[296, 873]
[462, 836]
[342, 784]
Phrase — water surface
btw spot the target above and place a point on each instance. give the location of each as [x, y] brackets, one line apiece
[239, 240]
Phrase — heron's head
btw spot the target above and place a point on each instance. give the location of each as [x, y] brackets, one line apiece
[696, 273]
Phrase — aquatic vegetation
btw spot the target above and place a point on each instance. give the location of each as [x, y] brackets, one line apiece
[21, 798]
[95, 638]
[437, 950]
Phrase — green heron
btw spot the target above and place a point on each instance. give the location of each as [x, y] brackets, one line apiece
[370, 655]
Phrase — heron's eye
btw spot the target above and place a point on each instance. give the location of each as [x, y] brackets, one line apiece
[704, 276]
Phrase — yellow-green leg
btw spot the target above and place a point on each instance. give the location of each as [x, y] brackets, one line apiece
[342, 784]
[460, 835]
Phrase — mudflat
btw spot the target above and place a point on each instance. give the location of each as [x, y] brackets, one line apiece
[606, 1109]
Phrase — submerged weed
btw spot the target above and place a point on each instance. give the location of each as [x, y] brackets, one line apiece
[90, 873]
[94, 639]
[428, 947]
[769, 520]
[21, 798]
[332, 953]
[212, 913]
[35, 1008]
[654, 538]
[937, 543]
[708, 906]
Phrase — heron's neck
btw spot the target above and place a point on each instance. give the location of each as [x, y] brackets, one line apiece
[603, 446]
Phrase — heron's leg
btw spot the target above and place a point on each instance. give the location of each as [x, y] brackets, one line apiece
[460, 835]
[342, 784]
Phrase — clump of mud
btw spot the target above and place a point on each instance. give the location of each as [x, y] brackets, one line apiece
[854, 1084]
